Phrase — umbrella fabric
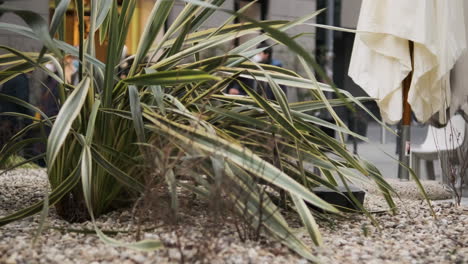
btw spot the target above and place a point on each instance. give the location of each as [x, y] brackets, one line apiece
[381, 58]
[459, 81]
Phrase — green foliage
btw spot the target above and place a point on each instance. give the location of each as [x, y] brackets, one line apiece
[14, 160]
[110, 131]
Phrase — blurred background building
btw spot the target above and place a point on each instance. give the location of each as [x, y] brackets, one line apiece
[332, 50]
[23, 43]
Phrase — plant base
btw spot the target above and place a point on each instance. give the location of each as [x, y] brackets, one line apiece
[72, 209]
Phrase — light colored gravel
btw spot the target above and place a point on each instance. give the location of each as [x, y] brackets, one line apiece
[411, 236]
[409, 189]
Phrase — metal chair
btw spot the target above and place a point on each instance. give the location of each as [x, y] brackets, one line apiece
[446, 142]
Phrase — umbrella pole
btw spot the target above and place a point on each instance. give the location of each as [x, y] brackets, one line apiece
[405, 132]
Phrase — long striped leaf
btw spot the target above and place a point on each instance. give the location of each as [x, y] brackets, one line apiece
[87, 175]
[170, 77]
[205, 15]
[67, 115]
[255, 41]
[13, 71]
[17, 29]
[275, 115]
[103, 10]
[272, 218]
[143, 245]
[121, 176]
[8, 59]
[86, 179]
[57, 19]
[113, 58]
[38, 25]
[308, 220]
[30, 107]
[282, 79]
[60, 9]
[154, 25]
[38, 64]
[125, 17]
[305, 106]
[42, 220]
[135, 108]
[15, 147]
[227, 30]
[92, 122]
[27, 32]
[240, 156]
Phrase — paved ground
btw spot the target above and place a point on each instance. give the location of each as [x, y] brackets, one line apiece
[383, 156]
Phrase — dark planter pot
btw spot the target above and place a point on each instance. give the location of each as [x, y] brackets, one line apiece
[342, 199]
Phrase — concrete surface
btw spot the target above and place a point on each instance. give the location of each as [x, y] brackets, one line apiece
[383, 155]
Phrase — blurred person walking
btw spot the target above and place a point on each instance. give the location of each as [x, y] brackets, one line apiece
[264, 57]
[17, 87]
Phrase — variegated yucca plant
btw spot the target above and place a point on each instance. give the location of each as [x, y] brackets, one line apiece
[109, 129]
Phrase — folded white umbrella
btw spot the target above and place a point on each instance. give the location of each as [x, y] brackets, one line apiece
[459, 80]
[381, 58]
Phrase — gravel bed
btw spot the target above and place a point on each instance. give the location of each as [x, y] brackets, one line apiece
[411, 236]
